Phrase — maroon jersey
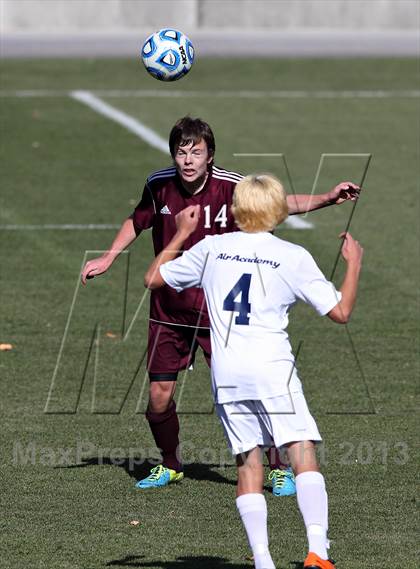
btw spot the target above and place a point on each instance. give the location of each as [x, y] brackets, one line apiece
[163, 197]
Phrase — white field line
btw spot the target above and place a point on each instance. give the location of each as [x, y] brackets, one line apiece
[296, 222]
[127, 121]
[150, 136]
[241, 94]
[146, 134]
[292, 222]
[60, 227]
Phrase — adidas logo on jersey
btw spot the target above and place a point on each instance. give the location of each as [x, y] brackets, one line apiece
[165, 210]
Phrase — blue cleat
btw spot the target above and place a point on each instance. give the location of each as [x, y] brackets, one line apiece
[160, 476]
[283, 482]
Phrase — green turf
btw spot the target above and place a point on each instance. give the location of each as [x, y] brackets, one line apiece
[62, 163]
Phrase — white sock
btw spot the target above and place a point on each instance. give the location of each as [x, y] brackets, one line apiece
[253, 511]
[313, 503]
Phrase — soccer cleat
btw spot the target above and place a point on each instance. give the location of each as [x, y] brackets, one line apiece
[282, 482]
[313, 561]
[160, 476]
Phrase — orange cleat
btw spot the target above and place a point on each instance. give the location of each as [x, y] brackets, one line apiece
[313, 561]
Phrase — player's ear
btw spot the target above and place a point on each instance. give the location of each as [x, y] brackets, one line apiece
[210, 157]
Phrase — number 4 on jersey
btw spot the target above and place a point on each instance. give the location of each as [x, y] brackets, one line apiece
[243, 306]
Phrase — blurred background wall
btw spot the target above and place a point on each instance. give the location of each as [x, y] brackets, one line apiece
[65, 28]
[112, 15]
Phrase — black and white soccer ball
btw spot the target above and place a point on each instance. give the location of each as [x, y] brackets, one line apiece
[168, 54]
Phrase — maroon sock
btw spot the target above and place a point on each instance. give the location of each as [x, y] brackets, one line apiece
[165, 430]
[274, 459]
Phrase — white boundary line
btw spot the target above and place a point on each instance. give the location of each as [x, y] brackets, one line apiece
[61, 227]
[241, 94]
[152, 138]
[296, 222]
[293, 222]
[144, 133]
[127, 121]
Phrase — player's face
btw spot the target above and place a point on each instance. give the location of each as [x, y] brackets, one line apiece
[192, 160]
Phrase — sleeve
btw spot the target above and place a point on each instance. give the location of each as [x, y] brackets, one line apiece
[312, 287]
[188, 270]
[144, 212]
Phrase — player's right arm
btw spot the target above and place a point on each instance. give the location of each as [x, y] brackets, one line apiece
[125, 236]
[353, 254]
[142, 218]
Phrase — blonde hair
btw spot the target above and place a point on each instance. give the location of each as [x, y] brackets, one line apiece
[259, 203]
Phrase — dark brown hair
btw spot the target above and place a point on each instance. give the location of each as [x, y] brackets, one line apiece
[188, 130]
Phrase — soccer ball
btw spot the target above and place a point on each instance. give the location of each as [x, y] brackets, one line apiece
[167, 54]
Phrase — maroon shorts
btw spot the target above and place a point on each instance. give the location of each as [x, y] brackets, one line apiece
[172, 349]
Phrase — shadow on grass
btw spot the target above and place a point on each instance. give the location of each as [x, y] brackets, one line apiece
[194, 471]
[202, 562]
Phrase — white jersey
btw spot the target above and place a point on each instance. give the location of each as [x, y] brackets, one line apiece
[250, 281]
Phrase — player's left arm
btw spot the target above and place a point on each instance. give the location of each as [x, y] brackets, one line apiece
[186, 223]
[302, 203]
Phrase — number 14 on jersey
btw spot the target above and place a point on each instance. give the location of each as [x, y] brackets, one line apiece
[221, 216]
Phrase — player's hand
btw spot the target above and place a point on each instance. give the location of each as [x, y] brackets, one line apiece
[95, 267]
[343, 192]
[351, 249]
[187, 220]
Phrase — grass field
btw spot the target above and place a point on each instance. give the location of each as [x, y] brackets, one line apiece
[68, 475]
